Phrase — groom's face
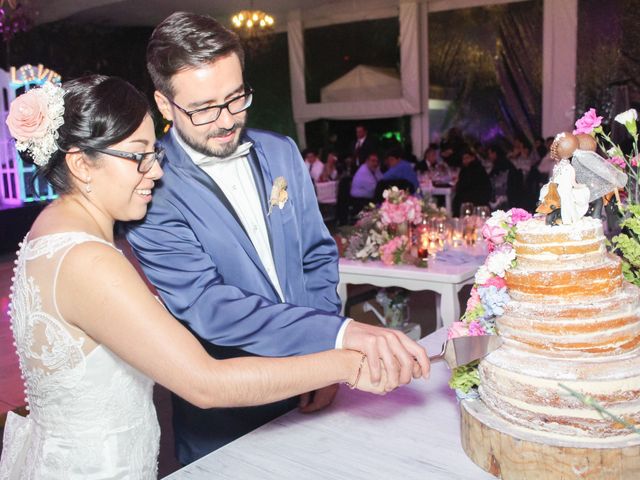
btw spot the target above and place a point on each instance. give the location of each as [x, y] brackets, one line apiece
[208, 85]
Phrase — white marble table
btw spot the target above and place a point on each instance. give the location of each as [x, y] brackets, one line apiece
[443, 278]
[412, 433]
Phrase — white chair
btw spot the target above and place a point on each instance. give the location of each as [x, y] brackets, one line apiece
[327, 193]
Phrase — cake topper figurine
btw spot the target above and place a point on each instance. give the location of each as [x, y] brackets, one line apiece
[582, 185]
[573, 196]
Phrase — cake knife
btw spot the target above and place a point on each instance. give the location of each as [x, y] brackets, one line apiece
[462, 350]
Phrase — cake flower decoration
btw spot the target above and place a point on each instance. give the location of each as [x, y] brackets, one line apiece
[33, 120]
[489, 293]
[588, 122]
[625, 161]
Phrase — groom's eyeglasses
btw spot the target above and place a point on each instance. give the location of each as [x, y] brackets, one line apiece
[202, 116]
[145, 160]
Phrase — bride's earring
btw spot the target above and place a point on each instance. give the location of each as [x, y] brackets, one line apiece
[87, 187]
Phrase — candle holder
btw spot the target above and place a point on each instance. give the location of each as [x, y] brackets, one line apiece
[469, 231]
[422, 239]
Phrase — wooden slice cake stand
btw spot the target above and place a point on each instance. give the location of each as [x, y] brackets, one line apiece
[514, 453]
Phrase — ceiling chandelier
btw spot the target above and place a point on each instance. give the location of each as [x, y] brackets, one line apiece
[249, 23]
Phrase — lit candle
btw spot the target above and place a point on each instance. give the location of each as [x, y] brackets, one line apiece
[422, 237]
[423, 245]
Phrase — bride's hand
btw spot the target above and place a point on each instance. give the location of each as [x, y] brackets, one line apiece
[366, 385]
[387, 382]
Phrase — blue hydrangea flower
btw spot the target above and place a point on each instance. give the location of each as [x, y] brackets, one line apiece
[493, 299]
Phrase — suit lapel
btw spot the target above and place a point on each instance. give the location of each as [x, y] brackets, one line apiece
[179, 159]
[264, 175]
[259, 180]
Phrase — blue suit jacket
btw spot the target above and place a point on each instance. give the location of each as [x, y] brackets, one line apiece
[193, 248]
[196, 252]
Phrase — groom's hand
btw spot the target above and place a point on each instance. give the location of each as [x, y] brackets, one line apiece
[318, 399]
[402, 357]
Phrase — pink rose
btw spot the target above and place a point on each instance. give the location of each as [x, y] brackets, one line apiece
[519, 215]
[474, 299]
[618, 162]
[497, 282]
[475, 329]
[457, 329]
[588, 122]
[634, 161]
[390, 250]
[493, 233]
[28, 116]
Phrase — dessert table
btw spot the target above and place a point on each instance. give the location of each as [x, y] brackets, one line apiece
[445, 275]
[411, 433]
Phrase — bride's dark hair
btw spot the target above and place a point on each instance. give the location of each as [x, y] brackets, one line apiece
[99, 111]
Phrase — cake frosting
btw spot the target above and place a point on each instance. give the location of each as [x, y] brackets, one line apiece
[572, 320]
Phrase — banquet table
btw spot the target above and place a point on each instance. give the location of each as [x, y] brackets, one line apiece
[446, 192]
[445, 275]
[410, 433]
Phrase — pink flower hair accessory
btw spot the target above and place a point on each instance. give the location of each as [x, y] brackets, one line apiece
[34, 119]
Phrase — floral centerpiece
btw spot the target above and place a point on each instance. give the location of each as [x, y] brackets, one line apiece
[489, 293]
[384, 233]
[627, 243]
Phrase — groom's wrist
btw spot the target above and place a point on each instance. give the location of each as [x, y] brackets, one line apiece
[343, 328]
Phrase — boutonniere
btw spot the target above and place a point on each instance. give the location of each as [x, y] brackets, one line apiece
[279, 195]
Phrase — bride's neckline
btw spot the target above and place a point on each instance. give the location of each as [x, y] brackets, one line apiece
[30, 241]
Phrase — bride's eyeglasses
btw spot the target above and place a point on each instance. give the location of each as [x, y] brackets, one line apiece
[145, 160]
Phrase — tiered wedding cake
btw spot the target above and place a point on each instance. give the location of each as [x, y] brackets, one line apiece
[572, 321]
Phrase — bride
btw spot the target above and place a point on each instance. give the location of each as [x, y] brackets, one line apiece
[90, 336]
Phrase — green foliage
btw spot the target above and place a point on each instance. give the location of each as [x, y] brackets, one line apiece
[627, 244]
[465, 378]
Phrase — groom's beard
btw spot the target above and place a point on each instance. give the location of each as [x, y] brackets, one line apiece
[220, 151]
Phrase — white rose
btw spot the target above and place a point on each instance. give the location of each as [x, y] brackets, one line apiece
[499, 262]
[498, 218]
[630, 115]
[482, 275]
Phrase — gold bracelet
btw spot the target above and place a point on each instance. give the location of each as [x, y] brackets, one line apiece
[353, 385]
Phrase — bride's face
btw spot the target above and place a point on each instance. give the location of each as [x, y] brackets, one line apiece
[121, 189]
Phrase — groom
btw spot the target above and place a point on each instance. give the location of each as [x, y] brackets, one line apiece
[234, 241]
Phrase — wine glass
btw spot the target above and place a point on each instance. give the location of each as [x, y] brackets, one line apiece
[482, 213]
[456, 232]
[466, 209]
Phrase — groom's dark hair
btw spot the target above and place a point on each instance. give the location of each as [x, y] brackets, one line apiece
[187, 40]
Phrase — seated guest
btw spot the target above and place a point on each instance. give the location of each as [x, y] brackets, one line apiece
[363, 185]
[522, 157]
[330, 170]
[398, 168]
[451, 147]
[473, 183]
[313, 163]
[506, 181]
[433, 166]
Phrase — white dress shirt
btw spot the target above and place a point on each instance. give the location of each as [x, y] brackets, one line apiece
[234, 177]
[315, 169]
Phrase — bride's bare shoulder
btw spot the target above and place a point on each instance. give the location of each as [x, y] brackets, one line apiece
[59, 217]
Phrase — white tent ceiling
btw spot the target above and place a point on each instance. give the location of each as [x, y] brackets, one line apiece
[559, 49]
[151, 12]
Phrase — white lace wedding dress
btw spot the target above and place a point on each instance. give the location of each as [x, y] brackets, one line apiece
[91, 414]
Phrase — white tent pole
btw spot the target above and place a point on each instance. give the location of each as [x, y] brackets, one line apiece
[420, 122]
[302, 135]
[295, 40]
[559, 52]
